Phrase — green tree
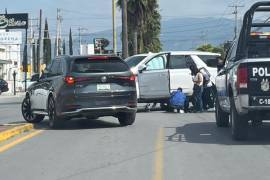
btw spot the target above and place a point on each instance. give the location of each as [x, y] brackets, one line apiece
[211, 48]
[151, 35]
[70, 41]
[46, 45]
[143, 26]
[64, 47]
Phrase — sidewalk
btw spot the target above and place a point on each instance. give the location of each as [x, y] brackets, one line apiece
[8, 98]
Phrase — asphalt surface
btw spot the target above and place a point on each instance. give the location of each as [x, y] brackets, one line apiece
[158, 146]
[10, 109]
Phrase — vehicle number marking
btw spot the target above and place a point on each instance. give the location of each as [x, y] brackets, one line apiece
[264, 101]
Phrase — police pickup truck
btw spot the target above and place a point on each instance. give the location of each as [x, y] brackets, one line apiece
[243, 84]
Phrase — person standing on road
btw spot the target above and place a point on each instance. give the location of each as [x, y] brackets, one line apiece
[197, 88]
[207, 95]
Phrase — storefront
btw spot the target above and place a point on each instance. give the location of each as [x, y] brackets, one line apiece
[4, 69]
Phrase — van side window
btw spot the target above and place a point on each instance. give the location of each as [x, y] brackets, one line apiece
[156, 63]
[178, 62]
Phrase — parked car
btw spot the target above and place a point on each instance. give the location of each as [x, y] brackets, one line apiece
[158, 74]
[3, 86]
[82, 86]
[243, 85]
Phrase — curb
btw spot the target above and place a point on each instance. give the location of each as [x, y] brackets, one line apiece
[19, 129]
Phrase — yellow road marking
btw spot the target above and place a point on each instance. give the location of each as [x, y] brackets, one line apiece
[158, 171]
[20, 140]
[21, 128]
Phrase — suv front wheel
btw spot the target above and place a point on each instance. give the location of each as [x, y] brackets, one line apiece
[126, 119]
[27, 112]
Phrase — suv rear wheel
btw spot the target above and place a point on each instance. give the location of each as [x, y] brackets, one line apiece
[239, 123]
[126, 119]
[27, 112]
[222, 118]
[54, 120]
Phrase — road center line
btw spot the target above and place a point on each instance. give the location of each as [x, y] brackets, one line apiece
[20, 140]
[158, 171]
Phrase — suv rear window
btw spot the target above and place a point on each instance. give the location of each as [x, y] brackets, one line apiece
[98, 66]
[209, 60]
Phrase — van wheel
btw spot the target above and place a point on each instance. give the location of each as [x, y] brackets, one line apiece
[222, 118]
[126, 119]
[239, 123]
[54, 120]
[27, 112]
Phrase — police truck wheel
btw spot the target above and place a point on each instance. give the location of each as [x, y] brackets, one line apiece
[222, 118]
[239, 123]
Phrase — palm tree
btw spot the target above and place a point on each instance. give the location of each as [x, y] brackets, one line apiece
[151, 34]
[137, 12]
[143, 25]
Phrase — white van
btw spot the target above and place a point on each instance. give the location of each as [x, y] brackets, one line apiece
[158, 74]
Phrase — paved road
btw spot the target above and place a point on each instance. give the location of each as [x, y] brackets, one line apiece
[10, 109]
[158, 146]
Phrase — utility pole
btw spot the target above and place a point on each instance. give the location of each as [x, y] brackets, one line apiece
[124, 30]
[236, 18]
[58, 32]
[80, 40]
[114, 28]
[80, 29]
[39, 42]
[31, 45]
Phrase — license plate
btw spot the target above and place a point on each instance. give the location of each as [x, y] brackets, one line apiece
[260, 101]
[103, 87]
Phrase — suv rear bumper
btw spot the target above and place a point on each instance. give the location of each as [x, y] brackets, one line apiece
[100, 111]
[242, 105]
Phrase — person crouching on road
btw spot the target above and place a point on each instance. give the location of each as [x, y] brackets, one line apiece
[197, 88]
[179, 101]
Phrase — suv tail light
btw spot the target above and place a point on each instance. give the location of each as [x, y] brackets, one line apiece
[242, 77]
[131, 78]
[69, 80]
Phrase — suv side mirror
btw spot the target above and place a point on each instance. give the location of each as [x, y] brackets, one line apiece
[35, 78]
[141, 68]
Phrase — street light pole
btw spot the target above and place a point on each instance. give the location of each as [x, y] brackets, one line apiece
[114, 28]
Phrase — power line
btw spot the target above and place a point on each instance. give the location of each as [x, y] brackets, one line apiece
[194, 29]
[236, 6]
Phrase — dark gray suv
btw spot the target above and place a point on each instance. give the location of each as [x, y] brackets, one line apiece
[82, 86]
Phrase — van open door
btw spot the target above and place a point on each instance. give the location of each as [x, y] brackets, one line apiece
[154, 80]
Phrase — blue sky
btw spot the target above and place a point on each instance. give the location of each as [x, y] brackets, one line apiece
[95, 15]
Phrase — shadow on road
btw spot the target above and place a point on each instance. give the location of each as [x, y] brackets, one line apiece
[77, 124]
[208, 133]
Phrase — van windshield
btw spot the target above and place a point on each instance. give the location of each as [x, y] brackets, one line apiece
[98, 66]
[134, 60]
